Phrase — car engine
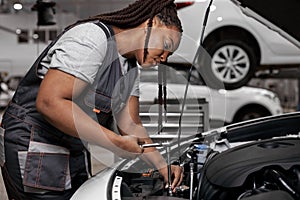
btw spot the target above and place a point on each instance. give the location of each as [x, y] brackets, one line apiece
[264, 169]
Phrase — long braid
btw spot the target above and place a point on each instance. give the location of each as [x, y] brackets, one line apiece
[133, 12]
[137, 13]
[149, 26]
[128, 17]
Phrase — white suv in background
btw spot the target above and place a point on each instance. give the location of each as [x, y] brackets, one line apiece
[224, 106]
[236, 43]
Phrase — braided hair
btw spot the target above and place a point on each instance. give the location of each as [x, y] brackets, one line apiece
[137, 13]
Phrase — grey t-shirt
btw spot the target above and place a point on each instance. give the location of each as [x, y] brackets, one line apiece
[80, 52]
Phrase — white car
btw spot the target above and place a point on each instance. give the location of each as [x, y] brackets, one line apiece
[236, 43]
[224, 106]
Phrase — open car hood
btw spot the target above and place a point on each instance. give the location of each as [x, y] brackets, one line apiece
[280, 16]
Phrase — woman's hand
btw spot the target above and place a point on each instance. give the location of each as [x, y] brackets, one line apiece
[128, 147]
[176, 174]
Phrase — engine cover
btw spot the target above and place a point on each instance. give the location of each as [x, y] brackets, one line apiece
[231, 168]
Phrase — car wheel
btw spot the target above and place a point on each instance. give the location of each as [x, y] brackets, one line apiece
[233, 62]
[251, 112]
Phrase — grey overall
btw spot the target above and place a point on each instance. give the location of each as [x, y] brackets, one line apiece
[41, 161]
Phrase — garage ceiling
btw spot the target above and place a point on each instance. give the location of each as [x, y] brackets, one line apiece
[81, 8]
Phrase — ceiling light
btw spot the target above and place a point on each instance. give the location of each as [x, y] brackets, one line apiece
[17, 6]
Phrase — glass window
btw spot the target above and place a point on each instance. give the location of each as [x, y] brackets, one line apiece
[22, 36]
[39, 36]
[52, 34]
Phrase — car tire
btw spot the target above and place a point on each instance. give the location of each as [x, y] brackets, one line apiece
[233, 62]
[251, 112]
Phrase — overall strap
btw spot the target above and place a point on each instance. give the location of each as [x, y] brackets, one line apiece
[107, 29]
[110, 89]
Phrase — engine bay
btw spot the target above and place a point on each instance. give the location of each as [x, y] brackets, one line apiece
[254, 170]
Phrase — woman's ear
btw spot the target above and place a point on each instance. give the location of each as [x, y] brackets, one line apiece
[156, 22]
[144, 26]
